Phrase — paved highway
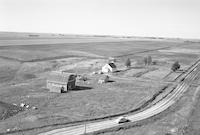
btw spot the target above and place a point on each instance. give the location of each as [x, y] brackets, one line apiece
[159, 107]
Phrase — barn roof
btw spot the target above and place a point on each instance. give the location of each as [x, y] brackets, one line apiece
[60, 77]
[103, 77]
[112, 65]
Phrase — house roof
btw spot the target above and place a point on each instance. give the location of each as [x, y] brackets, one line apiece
[60, 77]
[112, 65]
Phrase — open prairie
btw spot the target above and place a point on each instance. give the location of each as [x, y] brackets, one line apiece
[26, 61]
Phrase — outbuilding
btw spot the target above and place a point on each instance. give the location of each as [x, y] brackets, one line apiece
[109, 67]
[104, 79]
[61, 82]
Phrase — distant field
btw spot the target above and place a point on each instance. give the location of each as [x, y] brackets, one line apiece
[16, 38]
[6, 42]
[13, 38]
[32, 52]
[22, 47]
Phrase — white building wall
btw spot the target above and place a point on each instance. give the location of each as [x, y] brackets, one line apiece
[107, 68]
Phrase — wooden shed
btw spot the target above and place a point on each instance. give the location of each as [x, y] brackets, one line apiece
[61, 82]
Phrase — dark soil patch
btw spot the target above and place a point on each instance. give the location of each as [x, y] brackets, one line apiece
[8, 110]
[29, 76]
[25, 76]
[7, 75]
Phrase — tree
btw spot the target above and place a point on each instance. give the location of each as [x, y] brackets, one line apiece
[149, 60]
[128, 63]
[145, 61]
[175, 66]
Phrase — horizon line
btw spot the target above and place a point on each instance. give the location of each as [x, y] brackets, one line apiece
[106, 35]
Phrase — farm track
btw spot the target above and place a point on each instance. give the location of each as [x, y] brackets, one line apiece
[47, 59]
[145, 51]
[10, 59]
[159, 107]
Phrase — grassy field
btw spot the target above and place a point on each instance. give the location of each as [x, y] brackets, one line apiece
[32, 52]
[24, 69]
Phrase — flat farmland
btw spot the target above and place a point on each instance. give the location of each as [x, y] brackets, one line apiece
[96, 49]
[14, 38]
[25, 66]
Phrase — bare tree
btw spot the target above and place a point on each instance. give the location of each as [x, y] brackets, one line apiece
[128, 63]
[145, 61]
[148, 60]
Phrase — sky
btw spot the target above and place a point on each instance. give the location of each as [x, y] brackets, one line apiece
[151, 18]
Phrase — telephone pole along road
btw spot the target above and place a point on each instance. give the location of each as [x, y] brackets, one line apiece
[159, 107]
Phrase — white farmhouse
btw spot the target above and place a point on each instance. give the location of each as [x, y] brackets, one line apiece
[109, 67]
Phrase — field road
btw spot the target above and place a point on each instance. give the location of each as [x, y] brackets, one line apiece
[159, 107]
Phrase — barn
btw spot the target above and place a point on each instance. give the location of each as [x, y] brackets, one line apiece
[109, 67]
[61, 82]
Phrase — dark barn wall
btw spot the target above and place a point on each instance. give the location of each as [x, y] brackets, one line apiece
[53, 87]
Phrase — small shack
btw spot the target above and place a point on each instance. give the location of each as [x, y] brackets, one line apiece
[104, 79]
[61, 82]
[109, 67]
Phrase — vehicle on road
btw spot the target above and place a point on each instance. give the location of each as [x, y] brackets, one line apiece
[122, 119]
